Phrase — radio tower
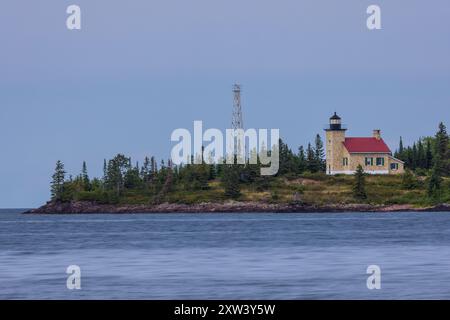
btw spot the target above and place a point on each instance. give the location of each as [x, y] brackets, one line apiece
[237, 122]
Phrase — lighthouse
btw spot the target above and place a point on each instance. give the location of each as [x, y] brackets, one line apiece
[335, 136]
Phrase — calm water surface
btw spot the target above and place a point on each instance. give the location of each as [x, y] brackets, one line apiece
[225, 256]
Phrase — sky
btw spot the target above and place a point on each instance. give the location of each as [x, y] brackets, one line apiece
[139, 69]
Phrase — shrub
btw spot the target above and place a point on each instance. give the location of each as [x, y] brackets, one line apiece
[359, 186]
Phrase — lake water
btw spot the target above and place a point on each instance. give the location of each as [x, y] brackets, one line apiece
[225, 256]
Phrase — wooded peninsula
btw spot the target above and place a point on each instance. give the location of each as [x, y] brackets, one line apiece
[300, 185]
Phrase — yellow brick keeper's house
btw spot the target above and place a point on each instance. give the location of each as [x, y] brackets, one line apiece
[344, 154]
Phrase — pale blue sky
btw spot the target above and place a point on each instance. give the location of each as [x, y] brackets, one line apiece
[139, 69]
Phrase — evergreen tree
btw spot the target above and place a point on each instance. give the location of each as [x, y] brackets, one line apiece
[251, 171]
[301, 160]
[219, 170]
[96, 184]
[85, 177]
[311, 164]
[287, 162]
[408, 180]
[442, 153]
[210, 166]
[420, 155]
[212, 172]
[230, 181]
[414, 157]
[132, 180]
[359, 186]
[434, 183]
[57, 184]
[116, 171]
[203, 172]
[428, 155]
[168, 182]
[105, 171]
[146, 173]
[153, 166]
[319, 154]
[161, 175]
[408, 157]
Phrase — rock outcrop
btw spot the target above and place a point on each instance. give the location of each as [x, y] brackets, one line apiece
[229, 206]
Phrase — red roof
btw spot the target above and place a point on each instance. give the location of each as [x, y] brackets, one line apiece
[366, 145]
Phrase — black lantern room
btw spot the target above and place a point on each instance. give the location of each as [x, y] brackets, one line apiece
[335, 123]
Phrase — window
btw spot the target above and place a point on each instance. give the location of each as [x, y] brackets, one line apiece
[394, 166]
[345, 162]
[380, 161]
[369, 161]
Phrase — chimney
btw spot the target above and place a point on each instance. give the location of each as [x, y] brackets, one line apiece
[377, 134]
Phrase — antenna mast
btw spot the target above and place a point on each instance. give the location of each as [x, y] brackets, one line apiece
[237, 122]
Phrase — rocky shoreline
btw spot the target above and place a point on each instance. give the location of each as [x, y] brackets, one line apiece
[86, 207]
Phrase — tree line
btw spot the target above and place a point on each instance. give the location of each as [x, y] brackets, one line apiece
[426, 152]
[155, 180]
[428, 156]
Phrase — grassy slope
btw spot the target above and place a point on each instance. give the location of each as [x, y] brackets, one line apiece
[311, 189]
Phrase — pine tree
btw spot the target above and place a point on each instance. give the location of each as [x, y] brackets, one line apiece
[414, 157]
[167, 183]
[85, 177]
[319, 154]
[105, 171]
[359, 187]
[434, 183]
[146, 171]
[287, 161]
[132, 180]
[153, 167]
[408, 180]
[420, 155]
[301, 160]
[442, 153]
[408, 157]
[57, 184]
[230, 181]
[310, 159]
[428, 155]
[219, 170]
[203, 172]
[212, 171]
[116, 171]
